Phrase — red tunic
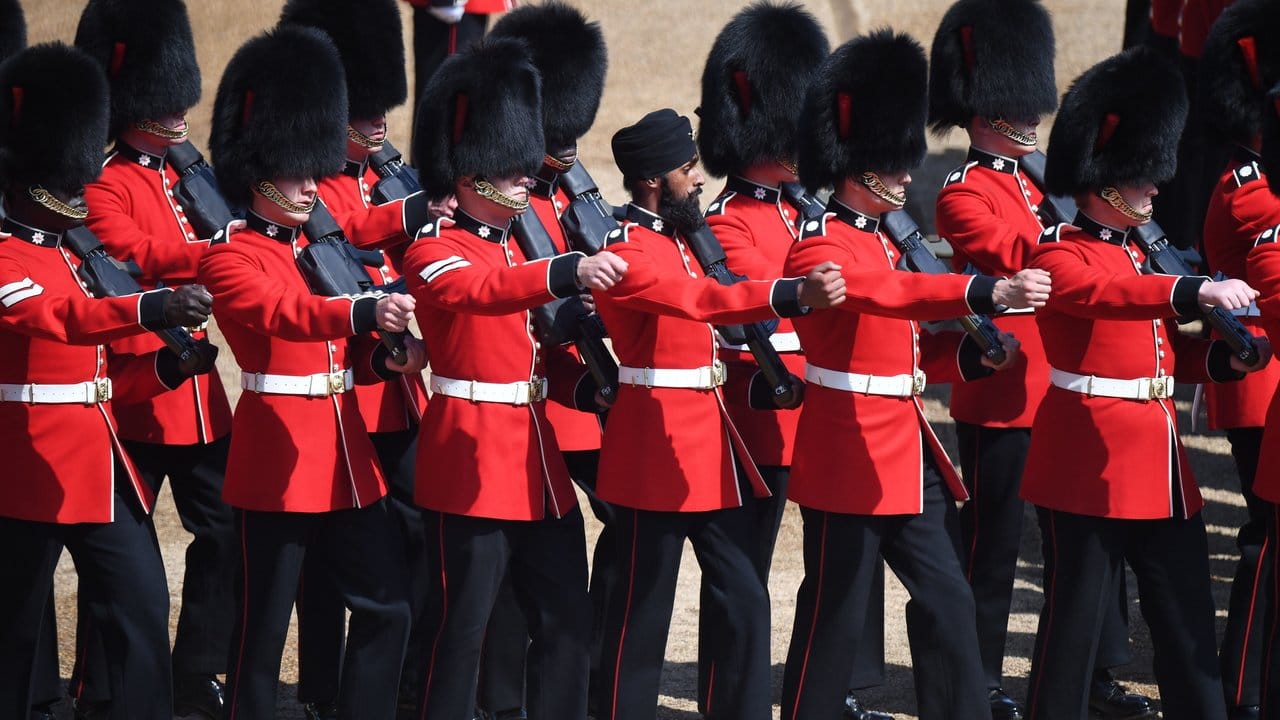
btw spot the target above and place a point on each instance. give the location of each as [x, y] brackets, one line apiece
[1104, 456]
[1264, 274]
[1240, 209]
[756, 226]
[864, 454]
[1164, 17]
[673, 449]
[987, 212]
[1194, 22]
[291, 453]
[474, 291]
[397, 404]
[133, 213]
[61, 458]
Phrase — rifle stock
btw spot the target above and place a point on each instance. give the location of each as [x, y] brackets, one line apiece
[198, 193]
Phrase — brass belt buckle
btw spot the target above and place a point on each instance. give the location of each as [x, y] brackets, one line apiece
[1159, 388]
[337, 383]
[536, 386]
[917, 383]
[717, 374]
[102, 390]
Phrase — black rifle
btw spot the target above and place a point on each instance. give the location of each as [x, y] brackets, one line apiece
[809, 207]
[916, 257]
[588, 221]
[566, 319]
[710, 255]
[1161, 259]
[333, 267]
[106, 277]
[198, 193]
[397, 180]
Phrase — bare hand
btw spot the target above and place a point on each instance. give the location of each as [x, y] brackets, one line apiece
[603, 401]
[442, 208]
[415, 357]
[588, 302]
[187, 306]
[823, 287]
[1227, 294]
[797, 395]
[1012, 349]
[394, 311]
[1027, 288]
[601, 271]
[1264, 357]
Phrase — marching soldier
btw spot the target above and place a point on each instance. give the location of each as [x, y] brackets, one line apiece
[753, 88]
[302, 474]
[673, 464]
[1117, 487]
[870, 476]
[496, 494]
[991, 74]
[1239, 65]
[75, 486]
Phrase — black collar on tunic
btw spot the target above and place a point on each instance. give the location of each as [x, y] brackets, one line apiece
[747, 188]
[545, 187]
[355, 169]
[275, 231]
[33, 235]
[656, 223]
[1105, 233]
[991, 161]
[853, 218]
[142, 159]
[482, 230]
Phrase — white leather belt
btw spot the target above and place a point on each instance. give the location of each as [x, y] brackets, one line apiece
[1019, 311]
[701, 378]
[1251, 311]
[85, 393]
[318, 385]
[782, 342]
[516, 393]
[1136, 389]
[891, 385]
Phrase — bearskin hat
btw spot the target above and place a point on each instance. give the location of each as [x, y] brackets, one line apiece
[481, 114]
[54, 105]
[146, 50]
[1241, 62]
[865, 110]
[753, 86]
[367, 35]
[991, 58]
[13, 29]
[280, 111]
[570, 54]
[1119, 125]
[1271, 140]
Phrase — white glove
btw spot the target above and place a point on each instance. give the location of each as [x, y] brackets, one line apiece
[448, 15]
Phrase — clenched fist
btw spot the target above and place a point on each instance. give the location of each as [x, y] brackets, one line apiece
[1227, 294]
[394, 311]
[415, 357]
[823, 287]
[1027, 288]
[187, 306]
[1012, 349]
[601, 271]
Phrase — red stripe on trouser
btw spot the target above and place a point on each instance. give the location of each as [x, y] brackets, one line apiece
[82, 654]
[977, 465]
[1048, 608]
[711, 683]
[1248, 626]
[813, 622]
[244, 613]
[626, 615]
[444, 614]
[1275, 612]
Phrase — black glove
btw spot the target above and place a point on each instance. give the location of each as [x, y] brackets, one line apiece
[187, 306]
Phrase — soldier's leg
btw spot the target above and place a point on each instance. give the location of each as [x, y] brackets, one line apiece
[46, 681]
[26, 582]
[868, 663]
[322, 632]
[500, 686]
[1271, 626]
[583, 468]
[1251, 588]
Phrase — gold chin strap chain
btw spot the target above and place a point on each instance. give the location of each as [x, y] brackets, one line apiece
[877, 186]
[789, 166]
[1001, 126]
[155, 128]
[556, 164]
[268, 190]
[362, 140]
[486, 190]
[53, 204]
[1117, 201]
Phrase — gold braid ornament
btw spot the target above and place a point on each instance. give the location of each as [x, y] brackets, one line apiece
[486, 190]
[268, 190]
[1117, 201]
[155, 128]
[1001, 126]
[789, 165]
[556, 163]
[53, 204]
[362, 140]
[877, 186]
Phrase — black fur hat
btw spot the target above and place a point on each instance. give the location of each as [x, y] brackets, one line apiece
[991, 58]
[1241, 62]
[753, 86]
[865, 110]
[1119, 124]
[13, 28]
[146, 50]
[481, 114]
[53, 118]
[570, 54]
[280, 111]
[1271, 139]
[367, 35]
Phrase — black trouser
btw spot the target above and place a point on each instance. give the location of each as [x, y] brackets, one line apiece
[991, 461]
[122, 587]
[547, 562]
[366, 562]
[841, 553]
[1084, 558]
[638, 616]
[1251, 588]
[435, 40]
[321, 612]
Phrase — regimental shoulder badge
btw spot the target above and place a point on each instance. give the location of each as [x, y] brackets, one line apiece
[960, 174]
[1268, 236]
[720, 206]
[1052, 233]
[431, 229]
[1247, 173]
[618, 235]
[816, 227]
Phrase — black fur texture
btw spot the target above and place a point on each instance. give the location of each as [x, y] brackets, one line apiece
[280, 111]
[1234, 104]
[367, 35]
[13, 29]
[1145, 92]
[157, 73]
[1271, 140]
[570, 54]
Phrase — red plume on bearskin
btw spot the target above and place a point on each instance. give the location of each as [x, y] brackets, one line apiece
[1241, 62]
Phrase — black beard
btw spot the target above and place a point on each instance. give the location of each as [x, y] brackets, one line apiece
[684, 213]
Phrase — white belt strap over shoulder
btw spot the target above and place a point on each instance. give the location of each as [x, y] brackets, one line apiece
[524, 392]
[706, 377]
[318, 385]
[782, 342]
[890, 385]
[85, 393]
[1144, 389]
